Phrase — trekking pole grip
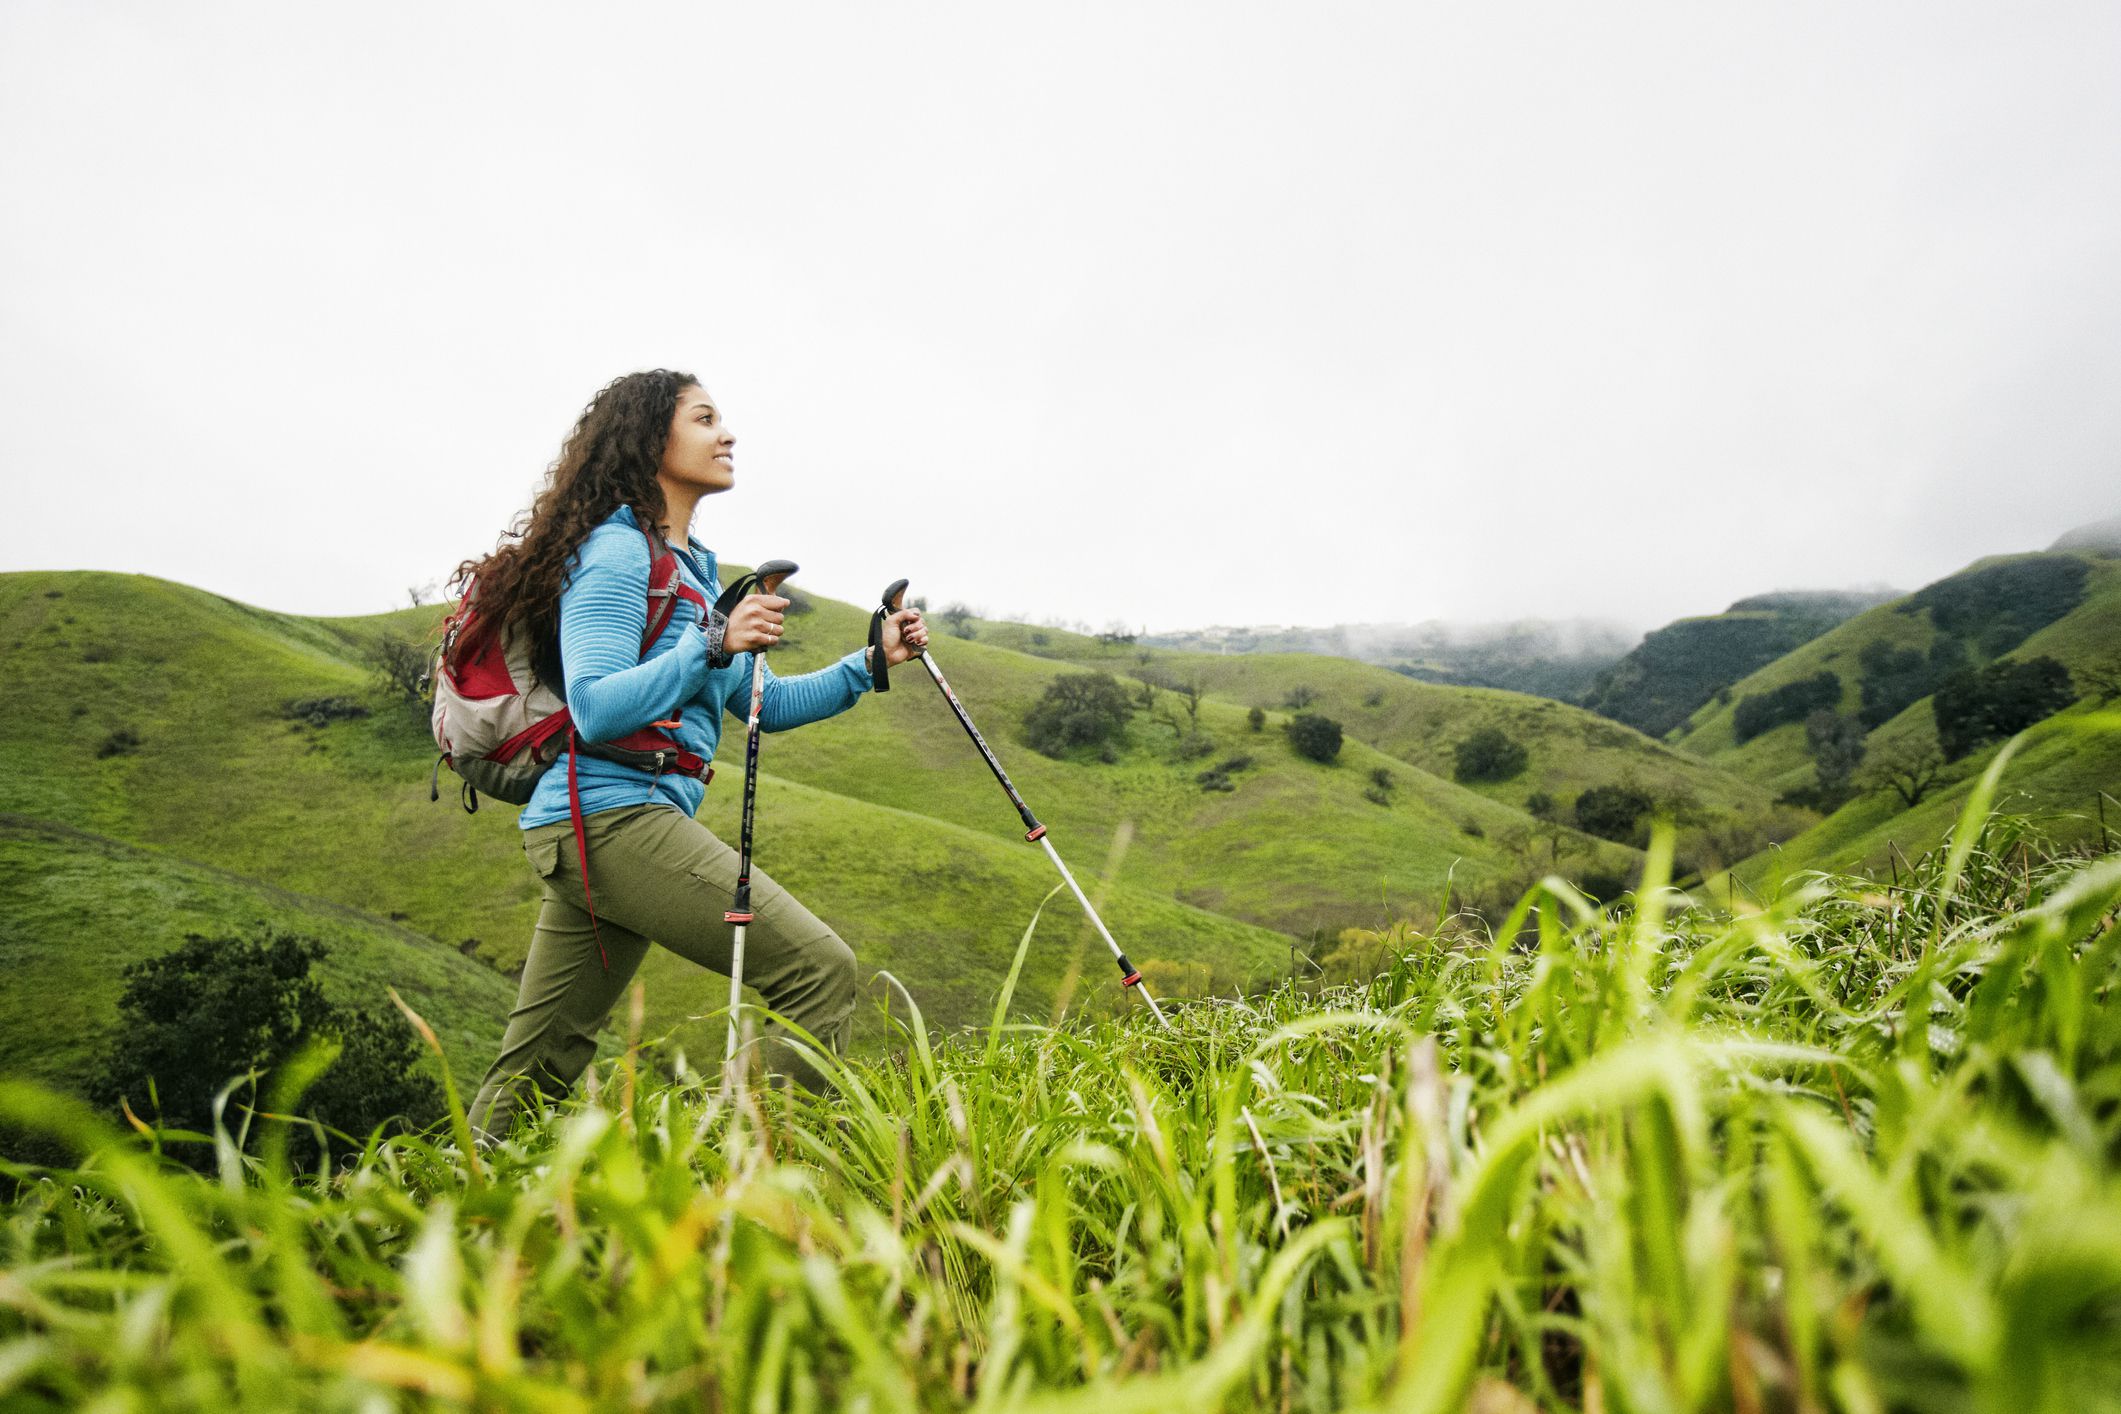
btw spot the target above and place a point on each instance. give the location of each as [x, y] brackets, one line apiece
[894, 599]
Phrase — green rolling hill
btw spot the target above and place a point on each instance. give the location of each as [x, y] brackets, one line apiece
[156, 783]
[153, 717]
[1419, 725]
[2085, 632]
[2063, 605]
[1684, 664]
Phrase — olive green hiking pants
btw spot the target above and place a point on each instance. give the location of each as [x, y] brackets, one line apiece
[657, 874]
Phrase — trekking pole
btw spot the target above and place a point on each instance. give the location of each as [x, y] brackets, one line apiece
[894, 597]
[766, 579]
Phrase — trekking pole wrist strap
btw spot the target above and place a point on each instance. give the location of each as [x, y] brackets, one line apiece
[879, 663]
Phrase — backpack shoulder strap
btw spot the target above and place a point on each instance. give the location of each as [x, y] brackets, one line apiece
[662, 597]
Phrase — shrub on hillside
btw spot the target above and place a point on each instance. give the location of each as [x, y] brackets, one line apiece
[1314, 736]
[1836, 745]
[122, 742]
[1489, 754]
[1078, 709]
[1299, 697]
[1894, 678]
[215, 1008]
[400, 665]
[957, 618]
[322, 711]
[1791, 702]
[1997, 701]
[1540, 806]
[1256, 719]
[1612, 812]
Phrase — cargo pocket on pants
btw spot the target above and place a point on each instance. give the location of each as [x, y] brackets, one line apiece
[543, 851]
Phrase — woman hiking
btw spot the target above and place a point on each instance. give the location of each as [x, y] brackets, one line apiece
[575, 580]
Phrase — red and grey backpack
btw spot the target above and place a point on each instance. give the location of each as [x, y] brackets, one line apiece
[500, 728]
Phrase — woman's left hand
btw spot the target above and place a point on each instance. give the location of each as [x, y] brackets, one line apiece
[904, 636]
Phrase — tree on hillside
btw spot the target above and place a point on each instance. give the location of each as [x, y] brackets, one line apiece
[1077, 709]
[1894, 677]
[2101, 681]
[1612, 812]
[215, 1008]
[1188, 693]
[1908, 767]
[400, 665]
[1299, 697]
[1256, 718]
[1997, 701]
[1836, 745]
[1314, 736]
[957, 618]
[1791, 702]
[1489, 754]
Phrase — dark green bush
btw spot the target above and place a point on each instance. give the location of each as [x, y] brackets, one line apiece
[1997, 701]
[214, 1008]
[1256, 719]
[1895, 677]
[1489, 754]
[322, 711]
[122, 742]
[1078, 709]
[1791, 702]
[1612, 812]
[1313, 736]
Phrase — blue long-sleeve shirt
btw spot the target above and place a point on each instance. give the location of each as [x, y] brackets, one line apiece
[614, 689]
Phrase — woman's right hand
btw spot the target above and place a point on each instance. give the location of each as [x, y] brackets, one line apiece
[754, 623]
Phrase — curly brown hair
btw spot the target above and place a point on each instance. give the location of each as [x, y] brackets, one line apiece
[609, 460]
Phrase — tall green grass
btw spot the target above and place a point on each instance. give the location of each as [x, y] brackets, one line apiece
[1854, 1149]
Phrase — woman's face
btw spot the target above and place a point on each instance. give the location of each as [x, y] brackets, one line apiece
[700, 453]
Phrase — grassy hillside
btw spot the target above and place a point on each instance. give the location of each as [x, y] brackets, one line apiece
[213, 771]
[2057, 776]
[1682, 665]
[79, 907]
[2089, 634]
[153, 714]
[1418, 725]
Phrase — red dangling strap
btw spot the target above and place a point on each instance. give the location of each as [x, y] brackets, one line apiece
[581, 848]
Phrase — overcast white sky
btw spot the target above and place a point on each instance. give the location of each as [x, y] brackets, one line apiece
[1175, 314]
